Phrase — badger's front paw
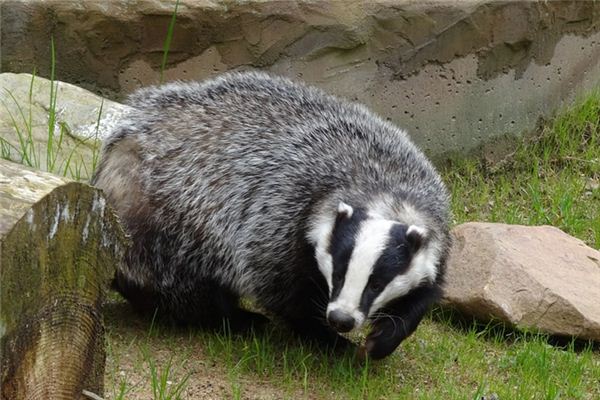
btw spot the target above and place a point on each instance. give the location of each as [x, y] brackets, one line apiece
[386, 334]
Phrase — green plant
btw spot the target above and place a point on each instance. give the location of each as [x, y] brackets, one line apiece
[552, 178]
[168, 39]
[50, 151]
[59, 158]
[26, 147]
[163, 388]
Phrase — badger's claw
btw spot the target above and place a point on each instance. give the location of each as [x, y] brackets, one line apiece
[386, 334]
[400, 321]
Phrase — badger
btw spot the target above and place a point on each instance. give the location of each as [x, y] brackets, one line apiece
[253, 186]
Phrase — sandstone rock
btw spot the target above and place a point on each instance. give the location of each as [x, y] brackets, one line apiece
[455, 74]
[77, 112]
[532, 277]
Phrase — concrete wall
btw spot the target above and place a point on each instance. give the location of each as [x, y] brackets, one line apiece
[455, 74]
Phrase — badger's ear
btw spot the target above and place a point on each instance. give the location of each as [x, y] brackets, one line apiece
[416, 236]
[344, 210]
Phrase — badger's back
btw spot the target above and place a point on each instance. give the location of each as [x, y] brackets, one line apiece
[221, 178]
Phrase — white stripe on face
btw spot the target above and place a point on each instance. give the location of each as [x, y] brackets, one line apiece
[370, 243]
[319, 235]
[422, 268]
[325, 263]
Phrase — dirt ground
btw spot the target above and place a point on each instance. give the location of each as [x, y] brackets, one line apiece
[132, 341]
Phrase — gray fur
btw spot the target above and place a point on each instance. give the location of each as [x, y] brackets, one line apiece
[233, 171]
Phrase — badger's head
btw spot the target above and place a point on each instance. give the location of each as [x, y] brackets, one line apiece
[369, 261]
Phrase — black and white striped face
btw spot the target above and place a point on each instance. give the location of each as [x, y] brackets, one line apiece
[369, 261]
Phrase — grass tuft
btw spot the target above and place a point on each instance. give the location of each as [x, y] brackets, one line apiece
[168, 39]
[60, 158]
[553, 178]
[161, 378]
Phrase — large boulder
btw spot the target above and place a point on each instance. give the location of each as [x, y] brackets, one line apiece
[455, 74]
[531, 277]
[27, 130]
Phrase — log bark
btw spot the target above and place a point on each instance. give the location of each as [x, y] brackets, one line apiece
[59, 246]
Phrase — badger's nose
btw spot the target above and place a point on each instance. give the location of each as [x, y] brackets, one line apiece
[340, 321]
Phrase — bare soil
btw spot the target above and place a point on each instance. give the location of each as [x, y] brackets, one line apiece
[133, 340]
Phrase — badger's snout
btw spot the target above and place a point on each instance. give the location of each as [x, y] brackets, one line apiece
[341, 321]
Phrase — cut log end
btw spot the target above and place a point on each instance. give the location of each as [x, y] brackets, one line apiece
[58, 251]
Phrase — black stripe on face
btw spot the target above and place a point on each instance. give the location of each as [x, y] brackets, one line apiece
[393, 261]
[341, 246]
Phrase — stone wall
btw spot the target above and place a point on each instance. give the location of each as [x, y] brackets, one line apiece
[455, 74]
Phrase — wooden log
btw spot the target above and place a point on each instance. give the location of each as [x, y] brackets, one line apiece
[59, 246]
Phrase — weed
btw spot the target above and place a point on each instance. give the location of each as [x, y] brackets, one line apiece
[50, 153]
[551, 179]
[58, 156]
[163, 388]
[168, 39]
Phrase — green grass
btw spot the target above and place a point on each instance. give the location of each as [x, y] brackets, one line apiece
[443, 360]
[160, 378]
[60, 158]
[551, 179]
[168, 38]
[25, 150]
[59, 148]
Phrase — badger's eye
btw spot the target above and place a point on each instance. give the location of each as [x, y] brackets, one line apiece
[375, 286]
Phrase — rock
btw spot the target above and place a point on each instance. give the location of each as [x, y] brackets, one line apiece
[77, 111]
[442, 69]
[530, 277]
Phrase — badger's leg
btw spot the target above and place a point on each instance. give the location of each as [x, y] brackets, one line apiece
[209, 305]
[303, 309]
[226, 312]
[399, 320]
[213, 306]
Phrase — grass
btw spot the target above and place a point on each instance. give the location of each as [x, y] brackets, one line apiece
[160, 378]
[60, 158]
[551, 179]
[59, 151]
[443, 360]
[26, 148]
[168, 38]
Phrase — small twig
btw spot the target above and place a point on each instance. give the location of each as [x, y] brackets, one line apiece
[91, 395]
[594, 161]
